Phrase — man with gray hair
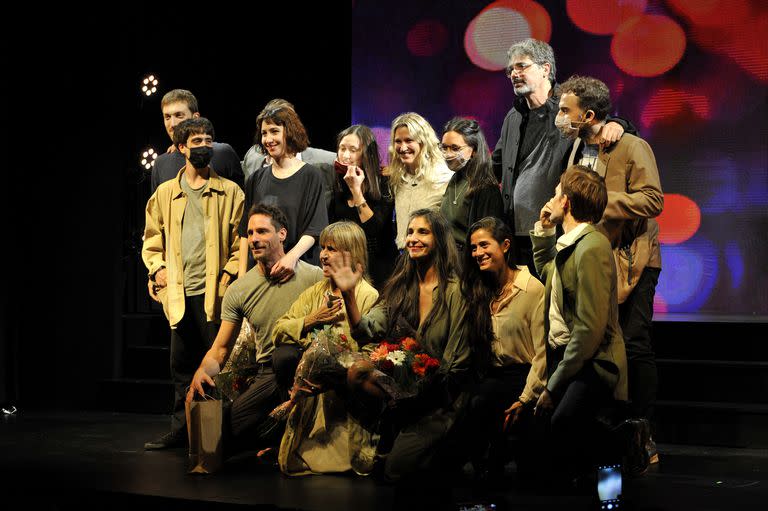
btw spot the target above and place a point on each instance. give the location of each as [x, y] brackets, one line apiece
[529, 153]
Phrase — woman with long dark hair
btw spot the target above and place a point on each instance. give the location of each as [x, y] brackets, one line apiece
[362, 195]
[422, 299]
[505, 323]
[473, 191]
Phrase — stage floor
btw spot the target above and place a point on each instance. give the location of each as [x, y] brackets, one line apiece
[84, 460]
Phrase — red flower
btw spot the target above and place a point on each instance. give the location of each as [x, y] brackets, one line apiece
[391, 346]
[423, 364]
[343, 337]
[410, 344]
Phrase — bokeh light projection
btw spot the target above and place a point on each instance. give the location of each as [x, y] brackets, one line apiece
[603, 17]
[501, 24]
[711, 13]
[667, 103]
[648, 45]
[691, 75]
[735, 264]
[690, 272]
[427, 38]
[680, 219]
[473, 96]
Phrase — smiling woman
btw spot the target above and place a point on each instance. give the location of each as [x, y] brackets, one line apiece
[418, 174]
[290, 184]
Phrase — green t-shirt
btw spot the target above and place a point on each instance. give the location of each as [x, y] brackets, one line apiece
[263, 302]
[193, 228]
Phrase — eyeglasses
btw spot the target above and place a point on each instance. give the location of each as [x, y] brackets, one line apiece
[517, 67]
[452, 148]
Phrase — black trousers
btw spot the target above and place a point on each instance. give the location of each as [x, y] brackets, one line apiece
[285, 359]
[496, 392]
[247, 415]
[190, 340]
[578, 441]
[635, 318]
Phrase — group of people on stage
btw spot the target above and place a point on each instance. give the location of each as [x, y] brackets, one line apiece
[528, 272]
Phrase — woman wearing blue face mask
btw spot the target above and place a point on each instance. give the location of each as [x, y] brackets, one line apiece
[473, 191]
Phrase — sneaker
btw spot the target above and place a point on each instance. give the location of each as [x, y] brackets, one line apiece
[168, 441]
[635, 433]
[653, 454]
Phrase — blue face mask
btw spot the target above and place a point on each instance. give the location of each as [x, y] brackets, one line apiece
[201, 156]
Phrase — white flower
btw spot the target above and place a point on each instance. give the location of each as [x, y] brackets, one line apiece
[396, 357]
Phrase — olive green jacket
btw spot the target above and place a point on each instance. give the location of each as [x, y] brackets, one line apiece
[589, 306]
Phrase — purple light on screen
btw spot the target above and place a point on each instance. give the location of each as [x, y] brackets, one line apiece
[735, 262]
[688, 275]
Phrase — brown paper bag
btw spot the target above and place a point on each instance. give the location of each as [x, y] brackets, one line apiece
[204, 427]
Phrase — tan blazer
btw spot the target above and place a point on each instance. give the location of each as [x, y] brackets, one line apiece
[634, 200]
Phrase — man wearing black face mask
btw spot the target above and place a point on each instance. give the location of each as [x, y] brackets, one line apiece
[191, 250]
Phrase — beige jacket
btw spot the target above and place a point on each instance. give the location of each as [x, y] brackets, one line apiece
[223, 206]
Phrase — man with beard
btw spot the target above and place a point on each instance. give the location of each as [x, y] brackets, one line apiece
[191, 251]
[262, 299]
[529, 153]
[634, 200]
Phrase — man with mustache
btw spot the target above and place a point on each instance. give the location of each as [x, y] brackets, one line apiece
[262, 299]
[529, 153]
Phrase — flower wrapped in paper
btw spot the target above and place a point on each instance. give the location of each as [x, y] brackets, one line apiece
[240, 369]
[322, 367]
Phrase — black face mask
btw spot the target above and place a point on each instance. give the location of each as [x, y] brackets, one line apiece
[201, 156]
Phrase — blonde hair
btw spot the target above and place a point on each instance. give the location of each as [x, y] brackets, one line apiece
[429, 148]
[348, 237]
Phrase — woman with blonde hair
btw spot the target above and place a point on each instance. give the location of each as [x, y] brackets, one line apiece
[320, 436]
[418, 174]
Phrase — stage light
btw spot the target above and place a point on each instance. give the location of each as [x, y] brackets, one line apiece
[149, 85]
[148, 158]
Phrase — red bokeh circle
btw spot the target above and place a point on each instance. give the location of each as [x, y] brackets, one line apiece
[427, 38]
[680, 219]
[603, 17]
[648, 45]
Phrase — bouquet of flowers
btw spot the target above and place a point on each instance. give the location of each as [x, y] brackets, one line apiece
[405, 361]
[241, 368]
[322, 366]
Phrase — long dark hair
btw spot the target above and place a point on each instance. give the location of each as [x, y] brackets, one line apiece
[401, 290]
[369, 159]
[479, 170]
[479, 288]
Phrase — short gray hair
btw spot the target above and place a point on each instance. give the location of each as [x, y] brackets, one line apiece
[539, 52]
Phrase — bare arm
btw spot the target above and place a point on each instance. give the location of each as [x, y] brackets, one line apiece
[214, 359]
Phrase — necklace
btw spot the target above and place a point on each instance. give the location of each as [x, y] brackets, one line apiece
[457, 195]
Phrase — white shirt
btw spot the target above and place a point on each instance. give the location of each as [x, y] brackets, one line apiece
[559, 334]
[415, 192]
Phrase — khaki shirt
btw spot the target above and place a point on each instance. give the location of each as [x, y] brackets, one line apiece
[287, 329]
[518, 328]
[223, 206]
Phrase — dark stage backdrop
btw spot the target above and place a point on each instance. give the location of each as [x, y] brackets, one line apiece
[691, 75]
[74, 125]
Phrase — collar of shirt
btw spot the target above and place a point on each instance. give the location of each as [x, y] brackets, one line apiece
[568, 238]
[215, 184]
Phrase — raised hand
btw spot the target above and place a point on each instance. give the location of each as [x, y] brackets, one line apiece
[342, 273]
